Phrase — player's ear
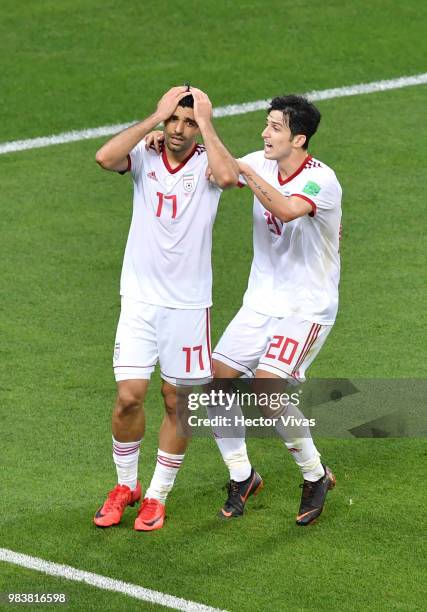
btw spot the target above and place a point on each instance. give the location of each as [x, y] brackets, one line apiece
[299, 140]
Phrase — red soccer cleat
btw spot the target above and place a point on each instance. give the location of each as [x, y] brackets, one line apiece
[112, 511]
[151, 515]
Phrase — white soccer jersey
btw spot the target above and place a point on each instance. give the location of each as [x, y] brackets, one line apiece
[296, 265]
[167, 261]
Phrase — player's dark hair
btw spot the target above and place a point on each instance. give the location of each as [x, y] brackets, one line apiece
[187, 101]
[300, 115]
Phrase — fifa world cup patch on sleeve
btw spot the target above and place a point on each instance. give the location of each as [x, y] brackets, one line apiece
[311, 188]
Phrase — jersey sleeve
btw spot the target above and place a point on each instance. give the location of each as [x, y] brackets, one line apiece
[136, 158]
[321, 190]
[252, 159]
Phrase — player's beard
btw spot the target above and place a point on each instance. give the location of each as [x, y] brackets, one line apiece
[180, 146]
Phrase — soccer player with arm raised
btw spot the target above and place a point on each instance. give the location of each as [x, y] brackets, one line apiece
[165, 287]
[291, 301]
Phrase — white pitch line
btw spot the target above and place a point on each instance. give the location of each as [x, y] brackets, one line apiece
[221, 111]
[328, 94]
[103, 582]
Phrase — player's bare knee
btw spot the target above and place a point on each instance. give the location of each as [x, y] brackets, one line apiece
[169, 398]
[222, 370]
[267, 387]
[127, 403]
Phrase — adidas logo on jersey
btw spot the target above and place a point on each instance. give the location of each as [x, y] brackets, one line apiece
[152, 175]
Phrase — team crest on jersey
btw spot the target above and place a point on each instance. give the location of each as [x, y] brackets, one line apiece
[188, 182]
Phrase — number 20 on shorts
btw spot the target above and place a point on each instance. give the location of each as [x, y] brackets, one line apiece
[287, 346]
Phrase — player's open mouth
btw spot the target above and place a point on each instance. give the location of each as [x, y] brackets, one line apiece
[267, 147]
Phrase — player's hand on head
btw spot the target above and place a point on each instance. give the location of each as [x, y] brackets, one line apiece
[155, 139]
[202, 105]
[169, 101]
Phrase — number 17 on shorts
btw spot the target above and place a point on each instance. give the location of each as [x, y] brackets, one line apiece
[177, 338]
[185, 354]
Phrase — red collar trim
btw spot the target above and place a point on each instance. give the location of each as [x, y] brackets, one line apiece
[182, 164]
[292, 176]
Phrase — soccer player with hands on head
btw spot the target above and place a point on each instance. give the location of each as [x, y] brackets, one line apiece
[291, 301]
[166, 286]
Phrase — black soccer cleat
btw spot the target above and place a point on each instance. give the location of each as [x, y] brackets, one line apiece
[313, 497]
[238, 493]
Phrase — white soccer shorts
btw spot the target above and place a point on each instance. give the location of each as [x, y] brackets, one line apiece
[178, 338]
[283, 346]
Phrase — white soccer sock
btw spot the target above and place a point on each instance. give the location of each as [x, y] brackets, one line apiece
[299, 442]
[233, 450]
[236, 460]
[164, 475]
[126, 455]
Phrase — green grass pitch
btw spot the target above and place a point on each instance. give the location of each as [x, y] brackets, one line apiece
[72, 65]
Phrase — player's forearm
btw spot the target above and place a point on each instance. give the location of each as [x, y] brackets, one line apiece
[272, 200]
[118, 148]
[223, 165]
